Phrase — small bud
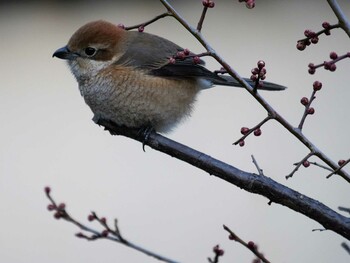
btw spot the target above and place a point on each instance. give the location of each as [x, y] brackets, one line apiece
[47, 189]
[307, 33]
[317, 85]
[327, 32]
[51, 207]
[311, 111]
[61, 206]
[57, 215]
[306, 163]
[251, 245]
[255, 71]
[253, 77]
[301, 45]
[327, 65]
[257, 132]
[104, 233]
[172, 60]
[312, 71]
[103, 220]
[244, 130]
[304, 101]
[121, 26]
[91, 217]
[186, 51]
[325, 25]
[250, 4]
[261, 64]
[232, 237]
[333, 55]
[341, 162]
[180, 55]
[196, 60]
[241, 143]
[311, 65]
[332, 67]
[141, 28]
[314, 40]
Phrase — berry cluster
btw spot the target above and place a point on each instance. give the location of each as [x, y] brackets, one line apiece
[312, 37]
[248, 3]
[208, 3]
[258, 73]
[328, 65]
[181, 55]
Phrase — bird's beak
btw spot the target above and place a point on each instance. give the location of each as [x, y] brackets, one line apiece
[65, 53]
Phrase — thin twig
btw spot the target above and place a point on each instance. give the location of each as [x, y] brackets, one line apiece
[344, 209]
[346, 247]
[149, 21]
[338, 169]
[306, 111]
[61, 213]
[298, 164]
[260, 171]
[250, 245]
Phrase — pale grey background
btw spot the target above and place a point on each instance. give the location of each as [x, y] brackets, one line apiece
[48, 138]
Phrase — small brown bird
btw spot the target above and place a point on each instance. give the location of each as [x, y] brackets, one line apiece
[130, 78]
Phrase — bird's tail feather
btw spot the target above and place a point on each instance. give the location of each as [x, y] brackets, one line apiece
[230, 81]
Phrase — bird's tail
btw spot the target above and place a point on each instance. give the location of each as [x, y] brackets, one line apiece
[230, 81]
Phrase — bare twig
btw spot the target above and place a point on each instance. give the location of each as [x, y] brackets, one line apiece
[149, 21]
[107, 233]
[298, 164]
[338, 169]
[250, 245]
[260, 171]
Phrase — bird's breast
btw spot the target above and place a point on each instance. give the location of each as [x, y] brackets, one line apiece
[132, 98]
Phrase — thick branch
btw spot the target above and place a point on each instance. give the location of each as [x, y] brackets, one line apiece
[343, 21]
[250, 182]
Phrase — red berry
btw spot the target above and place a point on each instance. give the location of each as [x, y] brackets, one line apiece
[317, 85]
[196, 60]
[333, 55]
[186, 51]
[91, 217]
[314, 40]
[301, 46]
[104, 233]
[304, 101]
[172, 60]
[50, 207]
[57, 215]
[141, 28]
[251, 245]
[241, 143]
[257, 132]
[341, 162]
[306, 163]
[253, 77]
[326, 25]
[47, 189]
[103, 220]
[244, 130]
[180, 55]
[255, 71]
[332, 67]
[261, 64]
[311, 111]
[312, 71]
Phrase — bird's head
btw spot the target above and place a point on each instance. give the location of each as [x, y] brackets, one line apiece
[92, 48]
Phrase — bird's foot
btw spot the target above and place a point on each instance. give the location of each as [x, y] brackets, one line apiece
[144, 133]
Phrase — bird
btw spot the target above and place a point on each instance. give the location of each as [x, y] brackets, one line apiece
[131, 78]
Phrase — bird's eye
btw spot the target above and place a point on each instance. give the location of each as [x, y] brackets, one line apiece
[90, 51]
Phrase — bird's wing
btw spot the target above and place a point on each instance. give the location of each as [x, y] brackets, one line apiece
[152, 54]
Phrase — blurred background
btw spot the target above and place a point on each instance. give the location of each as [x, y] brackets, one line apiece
[48, 138]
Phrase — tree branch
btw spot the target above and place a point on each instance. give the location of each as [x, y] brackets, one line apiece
[343, 21]
[250, 182]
